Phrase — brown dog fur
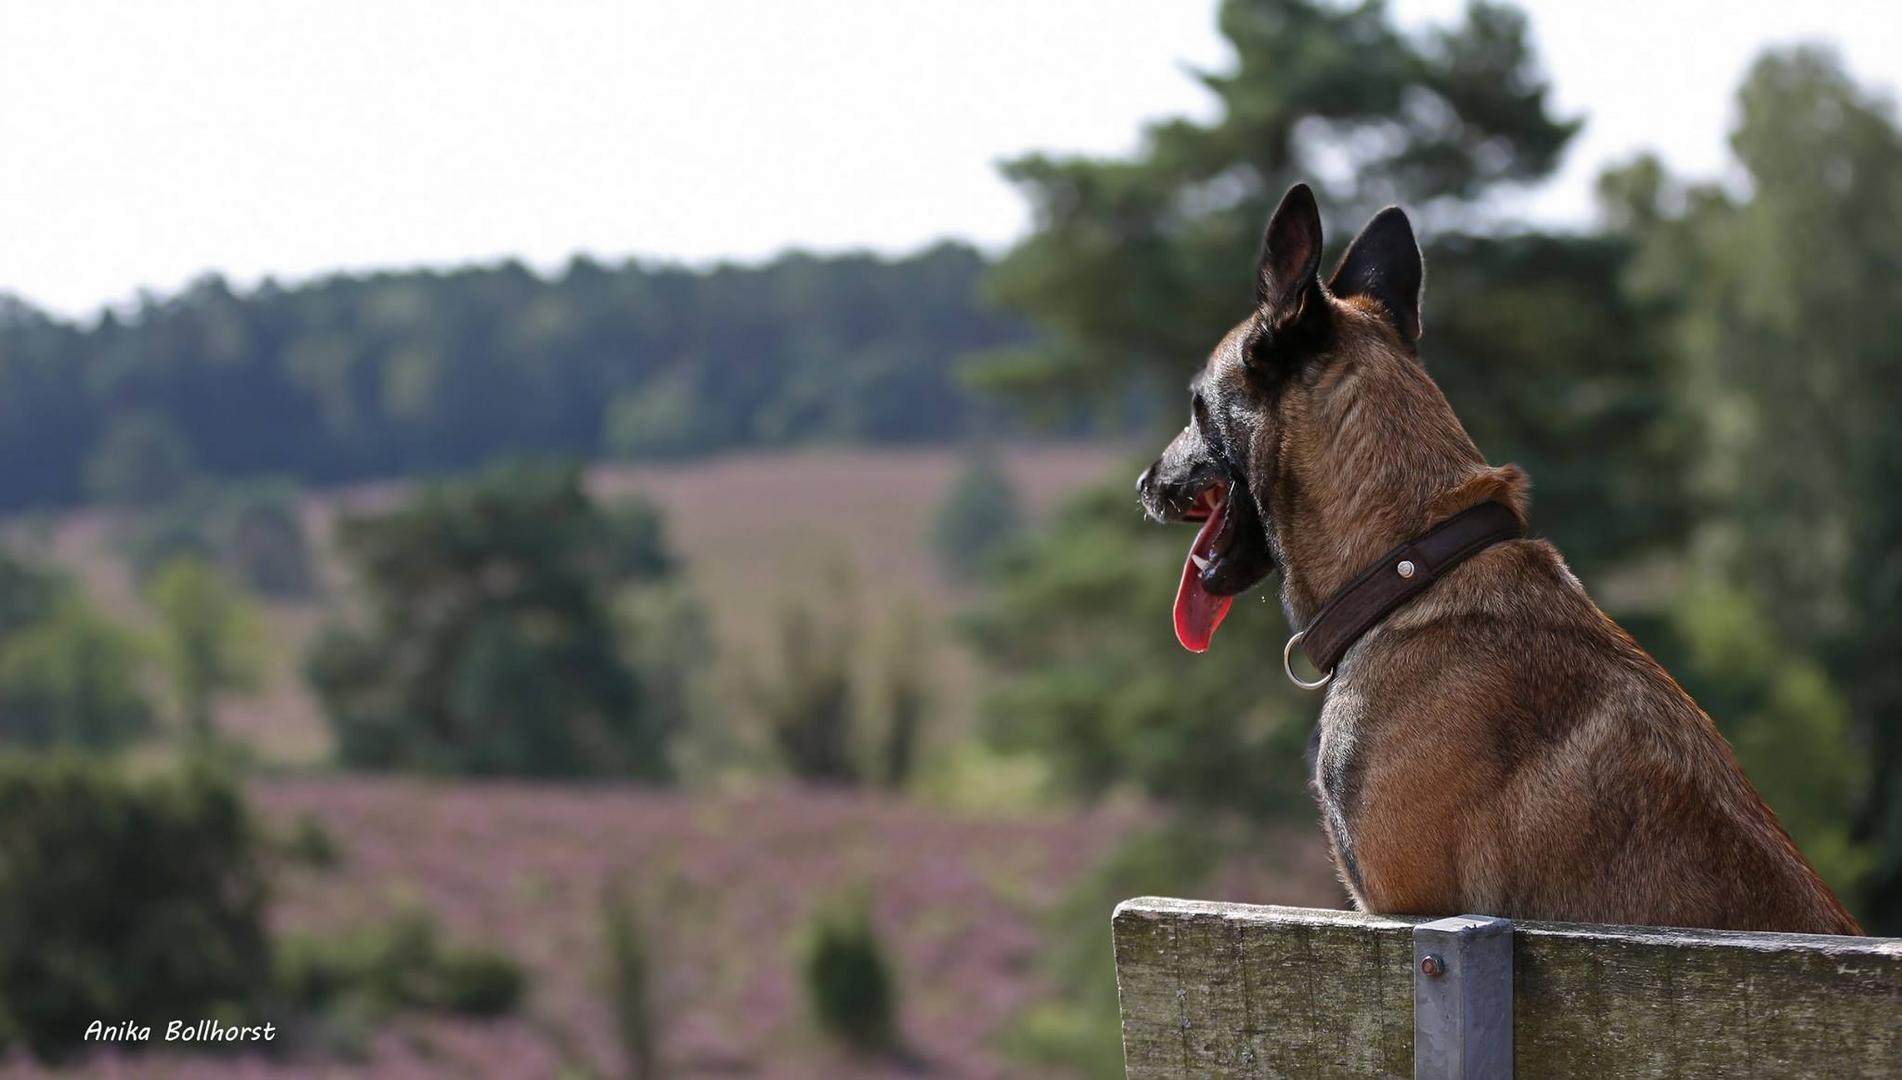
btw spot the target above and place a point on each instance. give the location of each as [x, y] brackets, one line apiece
[1497, 745]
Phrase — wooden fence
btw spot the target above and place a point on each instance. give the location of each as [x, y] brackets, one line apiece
[1235, 990]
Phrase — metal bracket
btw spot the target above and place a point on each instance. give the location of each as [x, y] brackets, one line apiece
[1462, 999]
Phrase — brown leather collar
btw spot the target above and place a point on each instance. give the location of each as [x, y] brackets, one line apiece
[1399, 576]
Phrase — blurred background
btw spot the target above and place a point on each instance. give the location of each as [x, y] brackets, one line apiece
[597, 540]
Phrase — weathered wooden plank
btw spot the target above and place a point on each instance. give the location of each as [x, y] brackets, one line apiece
[1235, 990]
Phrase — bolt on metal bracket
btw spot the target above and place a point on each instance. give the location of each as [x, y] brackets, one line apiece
[1462, 999]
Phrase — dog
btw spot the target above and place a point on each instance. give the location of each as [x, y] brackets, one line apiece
[1494, 743]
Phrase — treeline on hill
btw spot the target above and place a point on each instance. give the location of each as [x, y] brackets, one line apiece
[424, 371]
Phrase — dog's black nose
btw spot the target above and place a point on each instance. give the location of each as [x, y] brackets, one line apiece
[1142, 482]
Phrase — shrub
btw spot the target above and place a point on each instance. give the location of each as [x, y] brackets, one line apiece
[310, 843]
[848, 979]
[907, 698]
[124, 900]
[478, 980]
[834, 719]
[807, 704]
[631, 982]
[400, 964]
[979, 517]
[264, 542]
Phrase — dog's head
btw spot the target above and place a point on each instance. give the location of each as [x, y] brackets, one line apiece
[1256, 408]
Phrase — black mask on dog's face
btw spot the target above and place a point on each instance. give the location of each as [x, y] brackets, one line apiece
[1216, 470]
[1220, 469]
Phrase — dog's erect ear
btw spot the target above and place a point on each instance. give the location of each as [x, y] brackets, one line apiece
[1383, 263]
[1285, 282]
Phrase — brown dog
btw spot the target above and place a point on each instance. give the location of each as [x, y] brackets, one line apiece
[1496, 744]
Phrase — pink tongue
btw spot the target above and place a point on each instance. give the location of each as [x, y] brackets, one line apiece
[1199, 611]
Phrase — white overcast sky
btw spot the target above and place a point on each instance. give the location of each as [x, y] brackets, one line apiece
[144, 143]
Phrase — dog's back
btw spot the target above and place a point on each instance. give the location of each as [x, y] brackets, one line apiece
[1503, 746]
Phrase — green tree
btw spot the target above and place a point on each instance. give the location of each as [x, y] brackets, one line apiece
[435, 372]
[979, 517]
[124, 899]
[208, 635]
[71, 678]
[1785, 718]
[490, 644]
[1787, 312]
[1137, 265]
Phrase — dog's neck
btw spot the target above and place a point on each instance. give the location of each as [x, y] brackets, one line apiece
[1390, 462]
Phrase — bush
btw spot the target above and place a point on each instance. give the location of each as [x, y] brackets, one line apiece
[980, 517]
[907, 698]
[264, 542]
[311, 844]
[123, 900]
[832, 717]
[848, 979]
[476, 980]
[401, 964]
[631, 982]
[807, 704]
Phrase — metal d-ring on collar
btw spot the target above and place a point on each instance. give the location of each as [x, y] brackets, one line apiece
[1287, 664]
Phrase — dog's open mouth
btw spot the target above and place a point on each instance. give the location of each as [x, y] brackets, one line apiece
[1199, 611]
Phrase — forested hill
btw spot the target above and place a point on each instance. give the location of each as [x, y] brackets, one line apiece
[394, 373]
